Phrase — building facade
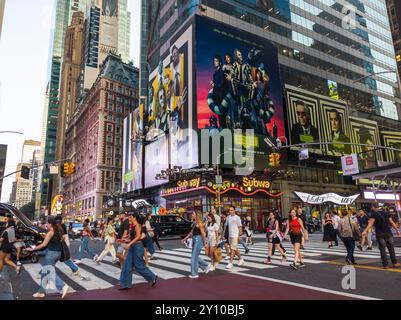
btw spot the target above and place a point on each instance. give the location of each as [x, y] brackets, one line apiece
[70, 74]
[2, 7]
[3, 158]
[94, 139]
[330, 53]
[394, 14]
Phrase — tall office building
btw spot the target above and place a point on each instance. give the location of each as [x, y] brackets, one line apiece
[2, 7]
[394, 14]
[3, 157]
[71, 70]
[107, 31]
[336, 63]
[63, 16]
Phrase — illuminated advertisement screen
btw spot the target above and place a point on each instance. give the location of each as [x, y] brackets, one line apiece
[156, 160]
[238, 85]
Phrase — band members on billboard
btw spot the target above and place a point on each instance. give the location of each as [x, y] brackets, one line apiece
[303, 130]
[337, 133]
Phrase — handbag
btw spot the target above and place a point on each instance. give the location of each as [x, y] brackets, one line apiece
[65, 252]
[355, 233]
[218, 254]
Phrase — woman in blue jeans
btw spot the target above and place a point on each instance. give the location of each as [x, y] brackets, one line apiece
[198, 235]
[86, 236]
[135, 256]
[52, 243]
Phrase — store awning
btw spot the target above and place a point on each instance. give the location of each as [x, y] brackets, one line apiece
[209, 190]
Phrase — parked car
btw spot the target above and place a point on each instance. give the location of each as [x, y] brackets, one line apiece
[173, 225]
[76, 230]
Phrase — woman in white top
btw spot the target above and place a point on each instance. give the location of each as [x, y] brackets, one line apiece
[212, 239]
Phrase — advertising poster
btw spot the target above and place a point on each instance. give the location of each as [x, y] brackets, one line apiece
[127, 154]
[335, 126]
[137, 135]
[364, 133]
[170, 101]
[156, 160]
[303, 118]
[333, 89]
[238, 85]
[392, 139]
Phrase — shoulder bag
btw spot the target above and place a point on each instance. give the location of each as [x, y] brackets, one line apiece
[355, 233]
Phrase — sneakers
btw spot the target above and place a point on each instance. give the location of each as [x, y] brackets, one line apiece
[208, 268]
[193, 277]
[65, 291]
[38, 295]
[246, 251]
[360, 247]
[301, 264]
[77, 261]
[154, 281]
[229, 266]
[18, 263]
[95, 258]
[212, 268]
[241, 262]
[268, 261]
[293, 266]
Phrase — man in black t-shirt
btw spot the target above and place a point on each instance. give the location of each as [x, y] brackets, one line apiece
[382, 222]
[122, 237]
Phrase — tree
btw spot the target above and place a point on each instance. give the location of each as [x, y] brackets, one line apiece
[28, 210]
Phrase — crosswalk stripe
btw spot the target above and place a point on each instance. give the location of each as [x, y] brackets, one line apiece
[247, 263]
[161, 273]
[186, 258]
[264, 251]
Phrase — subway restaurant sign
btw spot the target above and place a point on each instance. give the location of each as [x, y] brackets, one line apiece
[327, 197]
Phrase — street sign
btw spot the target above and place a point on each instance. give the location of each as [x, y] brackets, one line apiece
[350, 164]
[54, 169]
[303, 154]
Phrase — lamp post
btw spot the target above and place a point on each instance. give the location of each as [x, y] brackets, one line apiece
[219, 180]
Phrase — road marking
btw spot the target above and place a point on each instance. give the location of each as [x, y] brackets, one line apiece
[294, 284]
[358, 266]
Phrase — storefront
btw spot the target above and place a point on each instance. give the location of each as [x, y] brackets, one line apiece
[250, 196]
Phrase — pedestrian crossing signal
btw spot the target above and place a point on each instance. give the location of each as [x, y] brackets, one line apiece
[274, 159]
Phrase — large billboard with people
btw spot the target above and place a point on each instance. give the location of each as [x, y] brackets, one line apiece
[238, 86]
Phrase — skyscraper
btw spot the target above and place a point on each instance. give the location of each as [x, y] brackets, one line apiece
[2, 7]
[3, 157]
[394, 14]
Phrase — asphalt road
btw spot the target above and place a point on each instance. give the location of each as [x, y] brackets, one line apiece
[322, 278]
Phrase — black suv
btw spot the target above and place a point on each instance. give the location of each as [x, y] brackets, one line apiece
[173, 225]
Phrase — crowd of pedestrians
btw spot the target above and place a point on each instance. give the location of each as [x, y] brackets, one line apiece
[131, 242]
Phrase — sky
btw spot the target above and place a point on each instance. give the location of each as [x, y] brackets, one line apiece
[24, 60]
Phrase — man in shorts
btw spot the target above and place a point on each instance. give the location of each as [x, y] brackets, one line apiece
[235, 233]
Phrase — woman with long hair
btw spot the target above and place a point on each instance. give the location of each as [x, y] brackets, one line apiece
[212, 229]
[329, 234]
[274, 237]
[6, 247]
[135, 256]
[295, 228]
[109, 234]
[248, 231]
[198, 236]
[53, 244]
[84, 247]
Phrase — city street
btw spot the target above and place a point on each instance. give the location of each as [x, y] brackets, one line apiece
[321, 278]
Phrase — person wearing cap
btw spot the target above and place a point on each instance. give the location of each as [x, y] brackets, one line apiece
[69, 263]
[383, 222]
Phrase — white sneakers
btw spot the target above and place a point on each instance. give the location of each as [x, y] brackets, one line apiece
[193, 277]
[95, 258]
[229, 266]
[65, 291]
[38, 295]
[18, 263]
[241, 262]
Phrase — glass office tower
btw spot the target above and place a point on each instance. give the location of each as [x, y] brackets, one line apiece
[348, 42]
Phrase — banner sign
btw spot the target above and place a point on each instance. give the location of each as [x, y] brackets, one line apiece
[350, 164]
[327, 197]
[140, 203]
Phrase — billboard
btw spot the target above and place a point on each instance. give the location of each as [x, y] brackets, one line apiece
[364, 133]
[156, 160]
[127, 154]
[315, 118]
[238, 87]
[110, 8]
[137, 134]
[392, 139]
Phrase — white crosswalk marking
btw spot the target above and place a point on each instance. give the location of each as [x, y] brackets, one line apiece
[179, 260]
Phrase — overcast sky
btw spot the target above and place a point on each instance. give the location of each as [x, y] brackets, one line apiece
[24, 58]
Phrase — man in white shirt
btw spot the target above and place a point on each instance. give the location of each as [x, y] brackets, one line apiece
[234, 233]
[336, 221]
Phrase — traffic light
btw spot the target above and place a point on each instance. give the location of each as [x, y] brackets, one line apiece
[25, 172]
[65, 169]
[274, 159]
[72, 168]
